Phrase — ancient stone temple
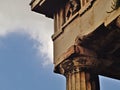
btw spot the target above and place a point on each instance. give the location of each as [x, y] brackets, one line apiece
[86, 39]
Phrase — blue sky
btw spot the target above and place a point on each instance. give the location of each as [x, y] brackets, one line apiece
[26, 51]
[21, 68]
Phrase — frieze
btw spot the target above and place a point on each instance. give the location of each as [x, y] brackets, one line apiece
[72, 7]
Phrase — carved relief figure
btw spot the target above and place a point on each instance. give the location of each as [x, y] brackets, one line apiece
[72, 7]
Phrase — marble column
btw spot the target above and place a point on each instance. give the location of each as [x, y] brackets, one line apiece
[82, 81]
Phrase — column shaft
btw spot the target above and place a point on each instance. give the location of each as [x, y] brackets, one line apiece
[82, 81]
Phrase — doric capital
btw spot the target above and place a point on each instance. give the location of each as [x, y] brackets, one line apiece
[83, 60]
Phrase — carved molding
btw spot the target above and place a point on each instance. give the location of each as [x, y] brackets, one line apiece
[72, 7]
[115, 5]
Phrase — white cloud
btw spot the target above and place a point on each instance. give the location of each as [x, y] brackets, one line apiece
[15, 14]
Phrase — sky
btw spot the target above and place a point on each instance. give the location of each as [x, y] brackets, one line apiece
[26, 51]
